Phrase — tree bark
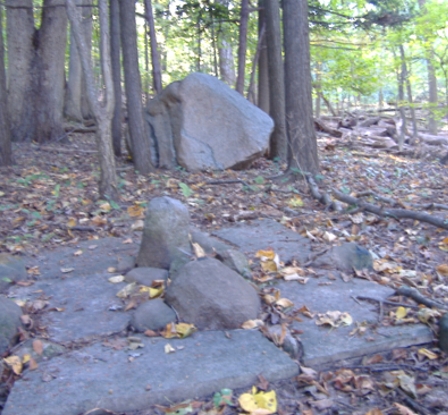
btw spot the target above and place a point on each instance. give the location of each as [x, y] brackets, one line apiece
[225, 53]
[299, 102]
[433, 96]
[138, 130]
[117, 117]
[278, 145]
[263, 75]
[242, 44]
[102, 113]
[409, 93]
[5, 133]
[156, 71]
[401, 103]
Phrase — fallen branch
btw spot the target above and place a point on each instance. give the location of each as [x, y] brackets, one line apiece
[415, 295]
[324, 198]
[391, 212]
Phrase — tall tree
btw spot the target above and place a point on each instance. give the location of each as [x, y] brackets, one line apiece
[278, 146]
[5, 133]
[263, 77]
[102, 112]
[116, 74]
[299, 104]
[242, 44]
[156, 71]
[225, 52]
[138, 129]
[36, 57]
[75, 89]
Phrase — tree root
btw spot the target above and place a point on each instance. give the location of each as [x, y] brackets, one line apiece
[415, 295]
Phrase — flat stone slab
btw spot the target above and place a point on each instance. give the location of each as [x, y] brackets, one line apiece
[324, 345]
[89, 307]
[101, 377]
[267, 233]
[96, 256]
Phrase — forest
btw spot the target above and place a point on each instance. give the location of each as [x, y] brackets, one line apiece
[357, 92]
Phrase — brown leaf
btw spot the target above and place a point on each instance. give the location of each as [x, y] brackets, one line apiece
[263, 384]
[38, 346]
[33, 364]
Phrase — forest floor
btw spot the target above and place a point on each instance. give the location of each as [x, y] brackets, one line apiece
[49, 198]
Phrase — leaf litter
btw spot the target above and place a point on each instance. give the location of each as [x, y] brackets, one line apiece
[53, 202]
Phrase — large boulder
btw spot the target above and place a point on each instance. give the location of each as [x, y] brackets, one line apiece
[12, 269]
[165, 234]
[10, 314]
[201, 123]
[212, 296]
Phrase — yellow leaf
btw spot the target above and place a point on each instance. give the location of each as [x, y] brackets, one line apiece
[265, 254]
[269, 299]
[269, 266]
[15, 363]
[71, 222]
[425, 352]
[296, 201]
[26, 358]
[155, 292]
[135, 211]
[170, 331]
[401, 313]
[261, 403]
[184, 330]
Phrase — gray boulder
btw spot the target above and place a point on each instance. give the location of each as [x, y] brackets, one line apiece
[12, 269]
[10, 314]
[201, 123]
[165, 235]
[212, 296]
[346, 257]
[152, 315]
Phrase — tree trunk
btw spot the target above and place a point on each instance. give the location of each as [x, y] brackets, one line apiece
[87, 28]
[138, 130]
[75, 90]
[278, 145]
[402, 134]
[102, 113]
[5, 133]
[433, 97]
[263, 75]
[156, 72]
[409, 93]
[299, 102]
[116, 75]
[250, 91]
[225, 53]
[242, 46]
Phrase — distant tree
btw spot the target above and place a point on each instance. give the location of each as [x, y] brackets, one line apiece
[263, 76]
[156, 71]
[302, 140]
[102, 112]
[242, 45]
[138, 129]
[278, 145]
[5, 134]
[115, 43]
[36, 57]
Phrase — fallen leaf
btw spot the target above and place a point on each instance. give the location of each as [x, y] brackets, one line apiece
[111, 269]
[150, 333]
[126, 291]
[428, 353]
[169, 349]
[401, 313]
[252, 324]
[198, 250]
[261, 403]
[223, 397]
[15, 363]
[135, 211]
[78, 252]
[117, 279]
[184, 330]
[67, 270]
[284, 303]
[403, 410]
[443, 270]
[33, 364]
[38, 346]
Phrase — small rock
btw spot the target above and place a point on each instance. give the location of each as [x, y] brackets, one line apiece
[152, 315]
[443, 333]
[212, 296]
[165, 235]
[10, 314]
[290, 344]
[346, 257]
[12, 269]
[146, 275]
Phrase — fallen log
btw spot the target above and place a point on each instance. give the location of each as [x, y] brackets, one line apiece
[391, 212]
[320, 126]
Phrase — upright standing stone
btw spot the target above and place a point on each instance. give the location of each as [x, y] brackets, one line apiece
[165, 235]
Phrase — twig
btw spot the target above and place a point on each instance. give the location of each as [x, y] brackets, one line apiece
[413, 403]
[394, 213]
[415, 295]
[384, 367]
[231, 181]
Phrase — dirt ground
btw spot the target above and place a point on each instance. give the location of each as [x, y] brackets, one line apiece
[49, 198]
